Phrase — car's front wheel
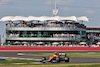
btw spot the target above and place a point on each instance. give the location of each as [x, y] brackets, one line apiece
[58, 59]
[43, 59]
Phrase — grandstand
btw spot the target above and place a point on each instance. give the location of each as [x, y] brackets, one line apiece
[44, 29]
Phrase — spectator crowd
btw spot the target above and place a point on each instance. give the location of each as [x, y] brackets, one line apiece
[45, 24]
[67, 35]
[49, 45]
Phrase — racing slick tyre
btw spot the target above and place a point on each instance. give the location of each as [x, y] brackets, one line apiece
[66, 59]
[43, 59]
[58, 59]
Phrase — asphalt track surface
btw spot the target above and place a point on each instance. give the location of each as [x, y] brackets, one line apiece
[72, 59]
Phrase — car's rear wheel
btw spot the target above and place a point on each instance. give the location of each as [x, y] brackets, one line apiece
[66, 59]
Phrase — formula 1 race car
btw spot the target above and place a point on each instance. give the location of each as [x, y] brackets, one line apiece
[56, 58]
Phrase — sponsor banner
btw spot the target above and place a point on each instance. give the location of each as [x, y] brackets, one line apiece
[55, 11]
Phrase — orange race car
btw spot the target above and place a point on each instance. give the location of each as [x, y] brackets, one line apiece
[56, 57]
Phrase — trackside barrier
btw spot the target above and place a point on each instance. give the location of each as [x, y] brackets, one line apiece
[51, 48]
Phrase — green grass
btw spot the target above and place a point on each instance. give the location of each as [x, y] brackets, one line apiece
[55, 65]
[68, 54]
[84, 54]
[17, 61]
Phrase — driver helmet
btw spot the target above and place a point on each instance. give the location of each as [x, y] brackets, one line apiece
[56, 53]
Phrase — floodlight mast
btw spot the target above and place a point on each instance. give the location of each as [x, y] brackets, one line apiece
[55, 11]
[56, 4]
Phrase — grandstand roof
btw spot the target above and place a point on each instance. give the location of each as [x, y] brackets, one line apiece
[44, 18]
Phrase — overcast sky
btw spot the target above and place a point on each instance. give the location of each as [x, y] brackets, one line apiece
[89, 8]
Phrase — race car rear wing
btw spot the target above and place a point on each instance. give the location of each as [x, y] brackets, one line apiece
[62, 53]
